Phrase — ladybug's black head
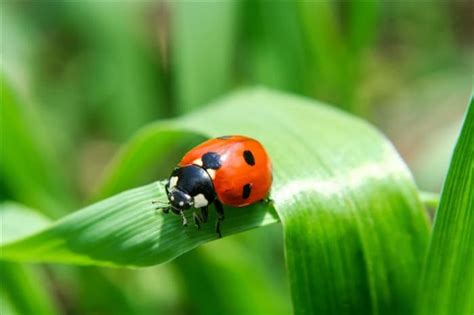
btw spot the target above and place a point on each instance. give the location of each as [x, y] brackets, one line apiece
[190, 186]
[179, 199]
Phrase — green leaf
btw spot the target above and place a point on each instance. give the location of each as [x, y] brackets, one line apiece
[125, 230]
[353, 225]
[448, 286]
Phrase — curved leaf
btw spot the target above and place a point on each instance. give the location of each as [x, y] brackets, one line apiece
[354, 227]
[126, 230]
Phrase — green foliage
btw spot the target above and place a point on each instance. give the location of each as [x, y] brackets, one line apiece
[447, 286]
[84, 75]
[203, 50]
[123, 81]
[31, 220]
[253, 288]
[159, 147]
[349, 208]
[269, 57]
[23, 291]
[25, 163]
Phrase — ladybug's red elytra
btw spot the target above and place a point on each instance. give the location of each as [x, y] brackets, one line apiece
[229, 170]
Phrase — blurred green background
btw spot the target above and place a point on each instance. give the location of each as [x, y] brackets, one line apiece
[87, 74]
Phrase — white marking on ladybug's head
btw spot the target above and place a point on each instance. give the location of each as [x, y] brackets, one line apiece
[211, 172]
[173, 182]
[200, 201]
[181, 203]
[197, 162]
[172, 198]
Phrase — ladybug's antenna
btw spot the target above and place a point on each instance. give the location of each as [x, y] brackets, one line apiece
[160, 204]
[155, 202]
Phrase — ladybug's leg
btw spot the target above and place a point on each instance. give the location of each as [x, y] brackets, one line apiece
[219, 209]
[197, 220]
[165, 209]
[204, 213]
[220, 216]
[185, 221]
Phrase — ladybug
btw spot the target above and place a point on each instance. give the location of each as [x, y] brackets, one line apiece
[229, 170]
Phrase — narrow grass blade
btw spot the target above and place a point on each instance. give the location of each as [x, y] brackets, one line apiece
[123, 73]
[448, 281]
[269, 57]
[203, 50]
[26, 157]
[362, 20]
[23, 288]
[331, 62]
[216, 266]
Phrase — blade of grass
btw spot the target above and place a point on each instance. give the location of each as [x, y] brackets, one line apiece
[26, 158]
[22, 287]
[251, 292]
[362, 23]
[448, 286]
[270, 48]
[329, 62]
[354, 227]
[6, 305]
[202, 50]
[123, 80]
[25, 289]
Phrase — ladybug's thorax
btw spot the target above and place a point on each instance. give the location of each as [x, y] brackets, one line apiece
[190, 186]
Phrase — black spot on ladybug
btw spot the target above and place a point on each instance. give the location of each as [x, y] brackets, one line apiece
[248, 156]
[224, 137]
[246, 191]
[211, 160]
